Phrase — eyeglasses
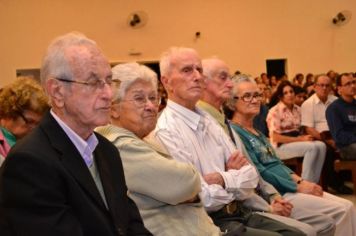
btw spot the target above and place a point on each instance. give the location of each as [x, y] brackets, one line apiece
[93, 84]
[247, 97]
[352, 82]
[141, 100]
[323, 85]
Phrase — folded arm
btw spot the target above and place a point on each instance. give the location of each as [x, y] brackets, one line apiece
[149, 173]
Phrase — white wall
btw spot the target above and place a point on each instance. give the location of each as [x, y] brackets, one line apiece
[243, 33]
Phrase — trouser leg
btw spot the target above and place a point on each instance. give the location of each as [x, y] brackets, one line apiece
[265, 223]
[235, 224]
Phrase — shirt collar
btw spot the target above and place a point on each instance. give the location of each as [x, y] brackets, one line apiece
[215, 113]
[328, 100]
[85, 147]
[352, 103]
[285, 108]
[211, 109]
[191, 118]
[2, 138]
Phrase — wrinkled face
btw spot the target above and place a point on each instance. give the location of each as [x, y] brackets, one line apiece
[85, 107]
[220, 84]
[348, 86]
[248, 99]
[138, 110]
[22, 124]
[288, 96]
[185, 81]
[322, 87]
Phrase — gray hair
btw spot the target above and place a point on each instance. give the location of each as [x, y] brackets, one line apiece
[236, 80]
[166, 64]
[316, 78]
[208, 69]
[55, 63]
[124, 75]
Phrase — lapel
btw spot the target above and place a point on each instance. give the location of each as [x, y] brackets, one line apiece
[71, 158]
[107, 179]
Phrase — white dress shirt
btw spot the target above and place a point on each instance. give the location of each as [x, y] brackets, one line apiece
[313, 112]
[196, 138]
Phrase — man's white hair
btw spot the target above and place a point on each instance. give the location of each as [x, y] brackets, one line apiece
[166, 62]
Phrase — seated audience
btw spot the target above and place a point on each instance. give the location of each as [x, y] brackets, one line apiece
[259, 121]
[274, 83]
[308, 85]
[298, 191]
[300, 95]
[309, 80]
[315, 124]
[298, 80]
[265, 79]
[191, 135]
[284, 124]
[341, 117]
[216, 92]
[164, 190]
[63, 178]
[332, 75]
[267, 93]
[22, 105]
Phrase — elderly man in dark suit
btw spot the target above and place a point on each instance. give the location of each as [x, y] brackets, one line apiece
[64, 179]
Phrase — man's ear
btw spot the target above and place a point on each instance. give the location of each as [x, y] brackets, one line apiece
[205, 82]
[55, 92]
[338, 88]
[165, 82]
[115, 111]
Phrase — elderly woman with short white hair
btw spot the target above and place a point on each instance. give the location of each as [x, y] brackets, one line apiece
[307, 198]
[165, 191]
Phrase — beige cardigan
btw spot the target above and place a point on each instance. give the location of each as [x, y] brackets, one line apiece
[158, 185]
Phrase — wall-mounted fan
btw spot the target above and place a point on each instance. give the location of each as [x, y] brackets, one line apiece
[137, 19]
[342, 18]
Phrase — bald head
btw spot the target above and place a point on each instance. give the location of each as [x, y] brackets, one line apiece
[218, 82]
[213, 66]
[182, 76]
[172, 56]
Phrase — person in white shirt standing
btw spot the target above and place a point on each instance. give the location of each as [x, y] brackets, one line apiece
[315, 124]
[191, 135]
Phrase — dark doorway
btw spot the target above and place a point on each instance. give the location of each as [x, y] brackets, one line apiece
[276, 67]
[155, 67]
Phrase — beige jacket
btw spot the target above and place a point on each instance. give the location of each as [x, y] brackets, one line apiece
[160, 185]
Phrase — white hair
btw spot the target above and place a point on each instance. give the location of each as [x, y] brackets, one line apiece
[208, 66]
[55, 63]
[238, 79]
[166, 64]
[124, 75]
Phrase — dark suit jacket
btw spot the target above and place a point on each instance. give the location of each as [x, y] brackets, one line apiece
[47, 189]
